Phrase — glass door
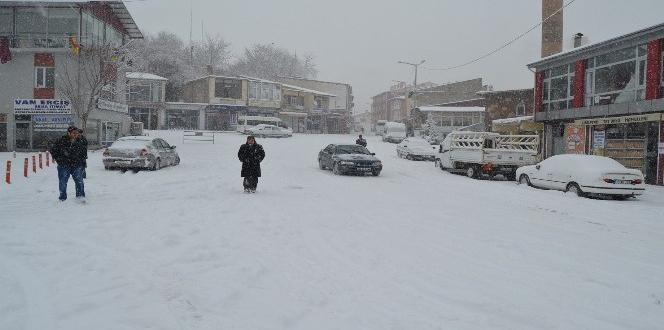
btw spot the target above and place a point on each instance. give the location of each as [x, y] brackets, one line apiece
[23, 136]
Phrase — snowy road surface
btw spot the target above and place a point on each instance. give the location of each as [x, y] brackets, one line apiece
[415, 248]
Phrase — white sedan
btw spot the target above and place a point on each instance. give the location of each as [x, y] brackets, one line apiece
[416, 149]
[583, 175]
[269, 131]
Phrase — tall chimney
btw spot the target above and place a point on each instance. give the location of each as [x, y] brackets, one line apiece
[552, 29]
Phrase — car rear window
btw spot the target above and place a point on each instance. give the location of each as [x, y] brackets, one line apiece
[125, 144]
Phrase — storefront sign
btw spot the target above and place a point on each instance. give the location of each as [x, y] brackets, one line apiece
[620, 120]
[112, 106]
[598, 139]
[575, 137]
[51, 123]
[41, 106]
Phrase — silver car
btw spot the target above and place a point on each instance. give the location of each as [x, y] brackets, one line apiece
[269, 131]
[140, 152]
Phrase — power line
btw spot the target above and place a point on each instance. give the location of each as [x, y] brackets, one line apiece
[503, 46]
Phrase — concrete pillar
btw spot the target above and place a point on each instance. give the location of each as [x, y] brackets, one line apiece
[201, 118]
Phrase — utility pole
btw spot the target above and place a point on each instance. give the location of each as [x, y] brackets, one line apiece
[415, 66]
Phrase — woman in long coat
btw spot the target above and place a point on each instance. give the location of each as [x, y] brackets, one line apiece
[251, 154]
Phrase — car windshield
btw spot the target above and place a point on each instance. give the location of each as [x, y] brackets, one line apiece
[417, 142]
[351, 149]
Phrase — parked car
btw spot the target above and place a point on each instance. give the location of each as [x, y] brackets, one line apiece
[140, 152]
[584, 175]
[416, 149]
[394, 132]
[349, 159]
[264, 130]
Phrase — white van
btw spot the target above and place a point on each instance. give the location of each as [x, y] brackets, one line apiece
[394, 132]
[380, 127]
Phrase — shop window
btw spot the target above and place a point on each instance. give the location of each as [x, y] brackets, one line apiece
[445, 121]
[228, 89]
[558, 88]
[139, 92]
[458, 121]
[321, 102]
[6, 21]
[44, 77]
[617, 77]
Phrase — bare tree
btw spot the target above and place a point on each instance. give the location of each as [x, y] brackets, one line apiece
[214, 51]
[86, 75]
[270, 62]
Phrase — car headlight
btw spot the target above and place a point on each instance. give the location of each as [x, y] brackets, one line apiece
[343, 162]
[378, 163]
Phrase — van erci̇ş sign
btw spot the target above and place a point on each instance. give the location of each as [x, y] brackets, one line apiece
[42, 107]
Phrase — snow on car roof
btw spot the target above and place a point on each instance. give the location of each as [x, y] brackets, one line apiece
[588, 161]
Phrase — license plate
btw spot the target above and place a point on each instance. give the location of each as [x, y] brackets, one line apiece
[623, 182]
[364, 169]
[123, 162]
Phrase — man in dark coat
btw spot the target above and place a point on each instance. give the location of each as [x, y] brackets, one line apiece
[361, 141]
[70, 153]
[251, 154]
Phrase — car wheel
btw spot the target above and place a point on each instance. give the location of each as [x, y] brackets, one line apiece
[471, 172]
[575, 189]
[320, 164]
[177, 161]
[524, 179]
[107, 168]
[335, 169]
[376, 173]
[409, 157]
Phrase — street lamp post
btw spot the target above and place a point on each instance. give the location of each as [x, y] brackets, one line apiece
[415, 66]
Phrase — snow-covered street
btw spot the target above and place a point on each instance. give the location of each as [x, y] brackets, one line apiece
[415, 248]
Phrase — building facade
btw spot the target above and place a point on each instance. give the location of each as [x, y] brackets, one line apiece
[303, 109]
[504, 107]
[146, 95]
[337, 119]
[37, 40]
[606, 99]
[438, 121]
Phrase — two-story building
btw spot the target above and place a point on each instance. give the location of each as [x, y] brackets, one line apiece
[146, 95]
[606, 99]
[36, 43]
[301, 108]
[442, 120]
[329, 114]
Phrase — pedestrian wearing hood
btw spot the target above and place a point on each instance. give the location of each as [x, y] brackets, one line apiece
[70, 153]
[361, 141]
[251, 154]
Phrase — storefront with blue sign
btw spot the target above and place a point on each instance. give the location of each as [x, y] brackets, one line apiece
[40, 121]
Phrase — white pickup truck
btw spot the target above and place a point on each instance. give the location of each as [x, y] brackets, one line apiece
[477, 153]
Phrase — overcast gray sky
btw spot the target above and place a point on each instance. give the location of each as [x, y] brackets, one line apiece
[359, 42]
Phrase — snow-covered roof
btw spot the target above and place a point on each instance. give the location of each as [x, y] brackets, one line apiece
[504, 91]
[589, 50]
[306, 90]
[144, 76]
[512, 120]
[451, 109]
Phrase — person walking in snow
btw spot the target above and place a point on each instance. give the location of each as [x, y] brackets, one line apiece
[70, 153]
[361, 141]
[251, 154]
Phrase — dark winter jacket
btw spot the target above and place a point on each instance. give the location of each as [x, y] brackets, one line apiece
[69, 153]
[251, 157]
[361, 142]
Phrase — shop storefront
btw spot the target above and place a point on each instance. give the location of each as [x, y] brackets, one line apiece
[38, 122]
[182, 119]
[297, 121]
[147, 116]
[631, 140]
[220, 117]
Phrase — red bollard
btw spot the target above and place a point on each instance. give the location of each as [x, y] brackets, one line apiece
[25, 168]
[47, 159]
[34, 165]
[40, 161]
[8, 175]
